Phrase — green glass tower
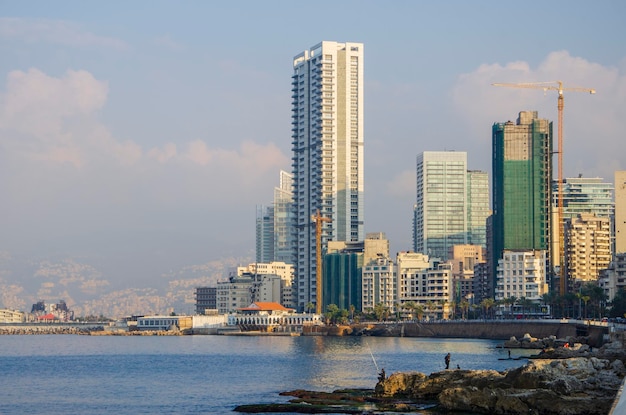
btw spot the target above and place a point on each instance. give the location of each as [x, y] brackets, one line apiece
[522, 176]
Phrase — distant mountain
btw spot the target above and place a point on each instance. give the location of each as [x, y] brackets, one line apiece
[87, 291]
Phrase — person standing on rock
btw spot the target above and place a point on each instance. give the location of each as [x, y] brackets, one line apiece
[447, 360]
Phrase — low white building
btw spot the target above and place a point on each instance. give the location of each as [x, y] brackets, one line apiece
[268, 315]
[378, 284]
[521, 274]
[12, 316]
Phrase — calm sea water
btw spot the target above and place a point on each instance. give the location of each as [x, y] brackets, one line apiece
[67, 374]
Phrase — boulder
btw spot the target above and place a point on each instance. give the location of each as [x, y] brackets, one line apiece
[578, 385]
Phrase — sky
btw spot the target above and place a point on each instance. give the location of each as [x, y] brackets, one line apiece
[139, 137]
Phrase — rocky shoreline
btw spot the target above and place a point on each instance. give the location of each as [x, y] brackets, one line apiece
[561, 380]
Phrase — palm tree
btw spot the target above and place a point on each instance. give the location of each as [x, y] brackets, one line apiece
[352, 310]
[409, 306]
[487, 304]
[430, 306]
[308, 307]
[380, 311]
[464, 306]
[419, 311]
[585, 299]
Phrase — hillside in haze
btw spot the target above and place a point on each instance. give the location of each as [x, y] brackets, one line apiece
[88, 289]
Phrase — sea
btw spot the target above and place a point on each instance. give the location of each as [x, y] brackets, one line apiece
[78, 374]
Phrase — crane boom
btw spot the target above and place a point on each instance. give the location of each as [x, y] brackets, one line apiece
[555, 86]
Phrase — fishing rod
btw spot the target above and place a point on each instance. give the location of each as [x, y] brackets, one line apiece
[372, 354]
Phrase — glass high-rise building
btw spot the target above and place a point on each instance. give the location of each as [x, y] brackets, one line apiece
[273, 225]
[522, 176]
[283, 216]
[477, 207]
[440, 216]
[327, 160]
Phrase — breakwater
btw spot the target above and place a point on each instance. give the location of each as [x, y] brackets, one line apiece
[493, 330]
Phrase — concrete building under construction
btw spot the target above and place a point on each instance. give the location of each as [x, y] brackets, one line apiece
[522, 176]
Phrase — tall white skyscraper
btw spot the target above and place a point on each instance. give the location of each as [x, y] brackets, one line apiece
[327, 161]
[441, 208]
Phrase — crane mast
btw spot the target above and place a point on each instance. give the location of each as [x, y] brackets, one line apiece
[319, 220]
[555, 86]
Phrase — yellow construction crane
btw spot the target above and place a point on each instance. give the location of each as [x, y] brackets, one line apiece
[555, 86]
[319, 220]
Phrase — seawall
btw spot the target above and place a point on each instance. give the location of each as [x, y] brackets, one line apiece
[495, 330]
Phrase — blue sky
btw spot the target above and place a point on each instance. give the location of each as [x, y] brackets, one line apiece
[139, 136]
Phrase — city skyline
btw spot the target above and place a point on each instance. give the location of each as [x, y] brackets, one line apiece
[136, 144]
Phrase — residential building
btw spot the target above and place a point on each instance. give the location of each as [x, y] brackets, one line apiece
[522, 176]
[441, 208]
[379, 284]
[327, 154]
[12, 316]
[614, 277]
[271, 282]
[464, 258]
[587, 247]
[233, 293]
[482, 284]
[522, 274]
[206, 299]
[587, 195]
[425, 283]
[620, 211]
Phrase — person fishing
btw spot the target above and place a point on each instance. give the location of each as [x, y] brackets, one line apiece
[447, 360]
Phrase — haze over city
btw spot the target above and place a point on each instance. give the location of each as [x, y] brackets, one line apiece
[137, 138]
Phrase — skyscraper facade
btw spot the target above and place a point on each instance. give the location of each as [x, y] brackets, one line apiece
[620, 212]
[441, 209]
[477, 207]
[283, 216]
[273, 225]
[264, 233]
[327, 160]
[522, 176]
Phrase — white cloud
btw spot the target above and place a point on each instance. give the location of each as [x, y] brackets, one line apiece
[592, 142]
[69, 179]
[55, 31]
[36, 109]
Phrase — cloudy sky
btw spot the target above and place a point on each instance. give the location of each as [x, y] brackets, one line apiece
[139, 136]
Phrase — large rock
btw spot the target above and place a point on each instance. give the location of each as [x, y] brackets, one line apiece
[572, 386]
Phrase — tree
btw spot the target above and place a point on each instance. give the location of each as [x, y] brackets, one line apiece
[308, 307]
[408, 306]
[332, 310]
[464, 306]
[380, 311]
[487, 304]
[430, 306]
[618, 304]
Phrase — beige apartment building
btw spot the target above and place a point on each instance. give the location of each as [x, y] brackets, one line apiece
[463, 259]
[587, 247]
[426, 283]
